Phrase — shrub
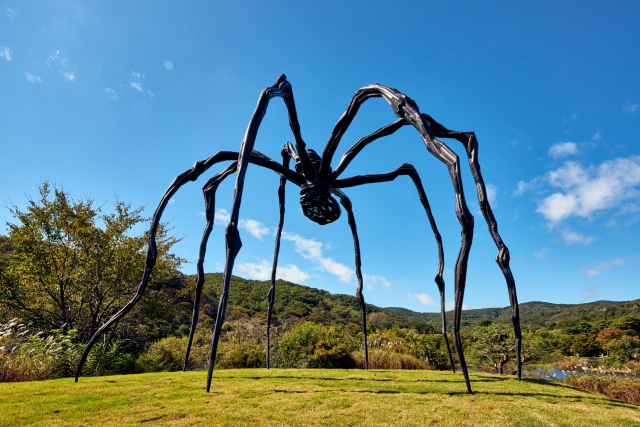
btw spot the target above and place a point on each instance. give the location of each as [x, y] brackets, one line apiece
[19, 362]
[381, 359]
[616, 388]
[307, 345]
[237, 353]
[168, 353]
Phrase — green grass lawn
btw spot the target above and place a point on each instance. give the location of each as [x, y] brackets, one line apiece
[308, 397]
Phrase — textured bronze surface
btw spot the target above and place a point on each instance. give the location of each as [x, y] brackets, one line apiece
[318, 182]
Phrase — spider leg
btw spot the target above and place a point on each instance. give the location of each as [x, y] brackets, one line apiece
[209, 191]
[286, 157]
[282, 89]
[152, 252]
[411, 172]
[468, 139]
[363, 142]
[405, 108]
[344, 200]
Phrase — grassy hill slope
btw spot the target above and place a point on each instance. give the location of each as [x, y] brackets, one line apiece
[307, 397]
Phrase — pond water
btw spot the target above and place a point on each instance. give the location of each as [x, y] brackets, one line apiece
[553, 374]
[558, 374]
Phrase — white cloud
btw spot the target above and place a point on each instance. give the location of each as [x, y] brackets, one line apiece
[151, 94]
[308, 248]
[541, 253]
[492, 194]
[255, 228]
[63, 65]
[222, 217]
[563, 149]
[312, 250]
[424, 299]
[137, 75]
[571, 237]
[31, 78]
[135, 86]
[370, 280]
[11, 13]
[603, 266]
[630, 108]
[589, 293]
[523, 187]
[573, 116]
[585, 191]
[597, 137]
[111, 93]
[262, 271]
[450, 305]
[171, 202]
[6, 53]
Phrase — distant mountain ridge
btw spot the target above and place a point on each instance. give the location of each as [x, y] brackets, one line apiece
[534, 313]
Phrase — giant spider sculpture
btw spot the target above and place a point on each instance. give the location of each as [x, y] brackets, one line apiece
[317, 184]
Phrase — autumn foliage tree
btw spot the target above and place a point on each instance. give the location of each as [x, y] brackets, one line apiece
[67, 265]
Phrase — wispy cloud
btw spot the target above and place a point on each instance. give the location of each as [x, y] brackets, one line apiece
[603, 266]
[111, 93]
[492, 194]
[589, 293]
[11, 13]
[572, 237]
[450, 305]
[424, 299]
[31, 78]
[563, 149]
[6, 53]
[255, 228]
[597, 137]
[630, 108]
[312, 250]
[262, 271]
[541, 253]
[136, 86]
[370, 280]
[63, 65]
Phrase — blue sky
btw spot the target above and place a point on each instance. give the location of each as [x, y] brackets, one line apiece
[117, 98]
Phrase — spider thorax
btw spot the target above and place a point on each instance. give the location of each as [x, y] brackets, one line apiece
[315, 195]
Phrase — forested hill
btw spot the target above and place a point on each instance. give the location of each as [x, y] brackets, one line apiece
[292, 300]
[249, 297]
[534, 314]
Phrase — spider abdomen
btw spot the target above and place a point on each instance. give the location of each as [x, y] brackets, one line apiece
[317, 203]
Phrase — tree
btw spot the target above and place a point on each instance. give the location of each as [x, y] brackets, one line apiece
[585, 345]
[629, 323]
[69, 266]
[496, 344]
